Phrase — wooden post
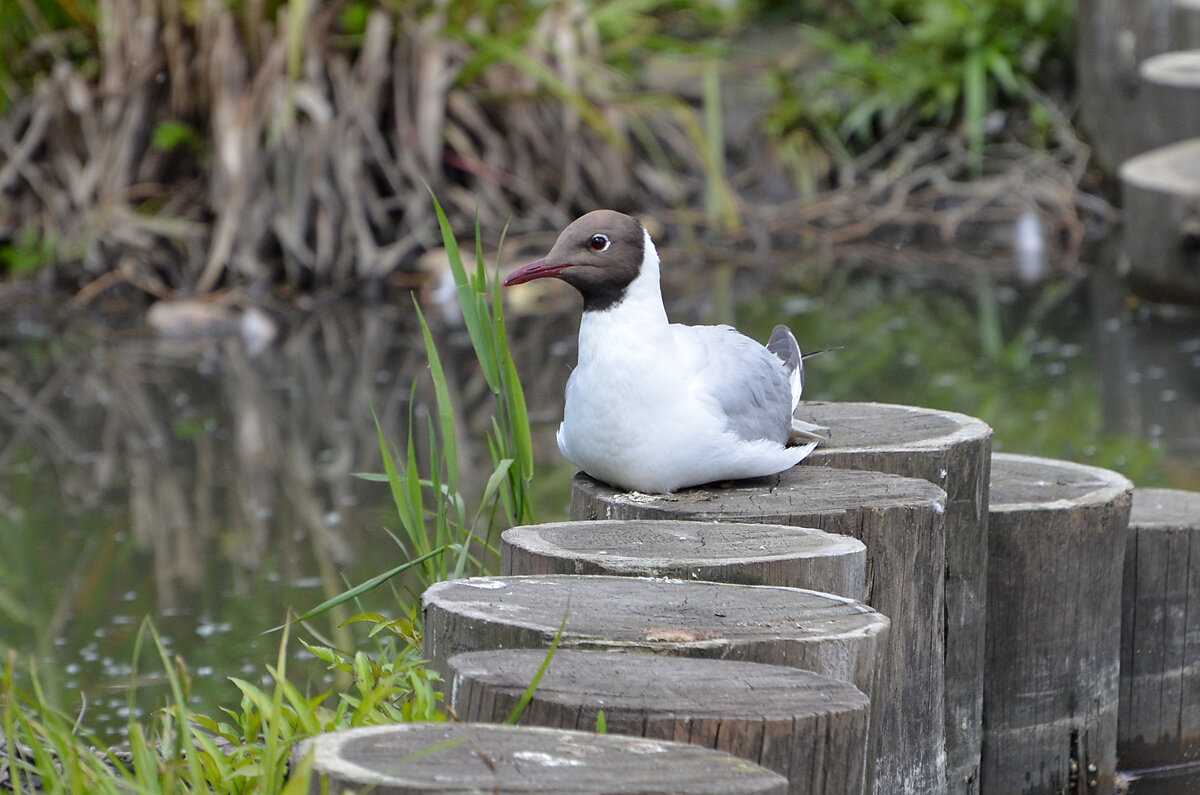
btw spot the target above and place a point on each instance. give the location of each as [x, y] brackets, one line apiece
[1159, 720]
[750, 554]
[901, 521]
[1160, 191]
[411, 758]
[826, 634]
[1056, 536]
[1172, 87]
[1112, 38]
[953, 451]
[1185, 25]
[808, 728]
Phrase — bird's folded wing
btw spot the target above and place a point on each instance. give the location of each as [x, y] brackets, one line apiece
[748, 383]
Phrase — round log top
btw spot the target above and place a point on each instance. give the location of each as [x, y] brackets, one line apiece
[485, 758]
[1023, 482]
[799, 491]
[648, 683]
[1173, 169]
[1178, 68]
[650, 611]
[887, 426]
[617, 543]
[1165, 508]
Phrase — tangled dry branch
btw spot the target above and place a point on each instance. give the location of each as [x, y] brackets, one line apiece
[310, 153]
[310, 163]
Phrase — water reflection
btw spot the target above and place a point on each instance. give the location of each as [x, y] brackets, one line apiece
[1149, 356]
[210, 488]
[200, 485]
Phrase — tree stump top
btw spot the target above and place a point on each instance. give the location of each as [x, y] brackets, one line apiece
[646, 683]
[1179, 68]
[1165, 508]
[886, 426]
[1025, 483]
[801, 491]
[486, 758]
[653, 613]
[1173, 169]
[633, 543]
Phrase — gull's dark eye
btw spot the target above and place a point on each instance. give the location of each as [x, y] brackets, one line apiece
[599, 243]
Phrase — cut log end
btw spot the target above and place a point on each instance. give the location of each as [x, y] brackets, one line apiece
[827, 634]
[464, 757]
[750, 554]
[807, 727]
[1024, 483]
[861, 427]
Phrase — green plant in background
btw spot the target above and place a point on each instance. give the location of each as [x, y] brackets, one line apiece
[894, 64]
[31, 250]
[172, 134]
[36, 33]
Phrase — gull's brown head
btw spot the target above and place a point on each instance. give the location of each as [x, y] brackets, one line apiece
[599, 254]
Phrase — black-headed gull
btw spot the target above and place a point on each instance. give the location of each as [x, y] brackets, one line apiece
[655, 406]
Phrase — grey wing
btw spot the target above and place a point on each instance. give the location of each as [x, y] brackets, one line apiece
[783, 344]
[748, 382]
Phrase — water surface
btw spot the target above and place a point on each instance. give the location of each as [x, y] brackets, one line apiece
[210, 487]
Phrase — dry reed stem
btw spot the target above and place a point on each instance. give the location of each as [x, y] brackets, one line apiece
[314, 154]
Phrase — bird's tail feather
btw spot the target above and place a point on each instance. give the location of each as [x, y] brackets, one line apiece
[783, 344]
[806, 432]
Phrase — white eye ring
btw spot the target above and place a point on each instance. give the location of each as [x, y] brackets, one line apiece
[599, 243]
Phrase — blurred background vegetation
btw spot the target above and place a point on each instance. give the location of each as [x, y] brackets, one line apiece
[187, 145]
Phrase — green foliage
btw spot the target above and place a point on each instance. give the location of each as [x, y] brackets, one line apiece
[394, 686]
[36, 33]
[180, 751]
[894, 64]
[171, 134]
[32, 249]
[245, 750]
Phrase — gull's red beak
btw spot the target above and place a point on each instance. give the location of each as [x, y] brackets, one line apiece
[534, 270]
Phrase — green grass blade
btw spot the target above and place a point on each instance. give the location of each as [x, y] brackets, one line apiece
[476, 324]
[527, 696]
[446, 418]
[274, 756]
[359, 590]
[975, 106]
[299, 780]
[495, 481]
[410, 514]
[991, 335]
[516, 412]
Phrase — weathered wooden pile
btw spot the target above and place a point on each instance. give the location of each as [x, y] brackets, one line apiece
[906, 613]
[1139, 74]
